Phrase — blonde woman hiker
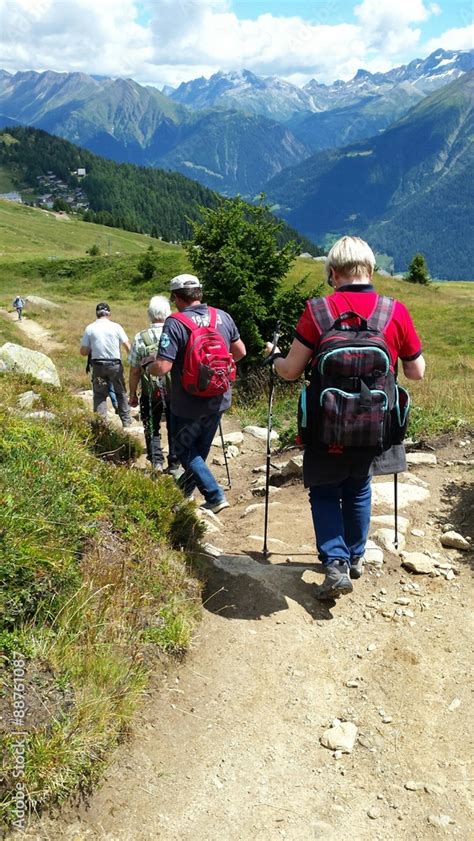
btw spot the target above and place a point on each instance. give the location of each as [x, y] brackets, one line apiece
[353, 413]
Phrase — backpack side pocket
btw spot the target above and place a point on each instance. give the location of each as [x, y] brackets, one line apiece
[399, 415]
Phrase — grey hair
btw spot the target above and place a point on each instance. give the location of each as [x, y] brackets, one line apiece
[351, 257]
[158, 308]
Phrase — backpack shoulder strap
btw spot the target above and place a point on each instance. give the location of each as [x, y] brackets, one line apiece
[212, 317]
[382, 314]
[148, 338]
[322, 314]
[186, 320]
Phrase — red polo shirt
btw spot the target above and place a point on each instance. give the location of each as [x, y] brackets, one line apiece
[400, 334]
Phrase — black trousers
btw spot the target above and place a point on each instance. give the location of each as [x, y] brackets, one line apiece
[151, 414]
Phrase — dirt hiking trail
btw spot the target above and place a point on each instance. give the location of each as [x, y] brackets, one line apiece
[226, 746]
[38, 334]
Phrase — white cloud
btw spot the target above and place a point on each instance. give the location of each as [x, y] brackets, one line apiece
[454, 39]
[388, 25]
[188, 38]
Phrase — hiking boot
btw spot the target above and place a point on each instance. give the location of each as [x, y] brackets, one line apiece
[357, 567]
[176, 472]
[215, 507]
[336, 583]
[157, 469]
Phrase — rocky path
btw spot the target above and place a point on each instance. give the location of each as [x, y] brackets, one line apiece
[38, 334]
[227, 746]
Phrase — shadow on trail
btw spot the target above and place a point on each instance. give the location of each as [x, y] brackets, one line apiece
[246, 587]
[458, 498]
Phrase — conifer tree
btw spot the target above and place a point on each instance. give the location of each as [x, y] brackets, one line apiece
[418, 270]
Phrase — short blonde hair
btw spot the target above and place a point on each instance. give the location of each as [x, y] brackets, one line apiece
[158, 308]
[350, 257]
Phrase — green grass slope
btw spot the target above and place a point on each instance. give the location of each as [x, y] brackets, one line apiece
[30, 232]
[93, 594]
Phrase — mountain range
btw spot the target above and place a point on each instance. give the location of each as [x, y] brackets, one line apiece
[232, 132]
[408, 189]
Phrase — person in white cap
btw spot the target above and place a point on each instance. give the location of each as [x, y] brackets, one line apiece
[195, 416]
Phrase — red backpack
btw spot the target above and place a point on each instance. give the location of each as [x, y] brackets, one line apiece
[209, 368]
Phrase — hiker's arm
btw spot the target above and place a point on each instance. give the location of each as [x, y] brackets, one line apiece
[84, 351]
[238, 350]
[126, 346]
[415, 368]
[133, 380]
[160, 367]
[291, 367]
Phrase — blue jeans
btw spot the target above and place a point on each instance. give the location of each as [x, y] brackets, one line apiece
[192, 439]
[341, 517]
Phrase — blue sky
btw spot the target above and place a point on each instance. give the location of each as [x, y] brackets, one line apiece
[454, 13]
[161, 42]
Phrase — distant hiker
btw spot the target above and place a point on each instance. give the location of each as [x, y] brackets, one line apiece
[103, 339]
[347, 408]
[154, 391]
[19, 305]
[200, 346]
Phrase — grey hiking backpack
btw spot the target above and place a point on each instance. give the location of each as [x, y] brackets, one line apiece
[353, 399]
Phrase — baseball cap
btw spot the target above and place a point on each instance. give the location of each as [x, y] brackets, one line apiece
[184, 281]
[102, 308]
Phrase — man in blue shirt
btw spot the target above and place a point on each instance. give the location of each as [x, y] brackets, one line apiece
[194, 419]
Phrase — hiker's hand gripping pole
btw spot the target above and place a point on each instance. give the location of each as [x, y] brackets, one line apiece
[270, 358]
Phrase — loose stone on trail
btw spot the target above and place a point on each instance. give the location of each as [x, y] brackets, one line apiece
[260, 432]
[454, 540]
[412, 785]
[422, 458]
[442, 821]
[373, 554]
[386, 538]
[382, 494]
[387, 520]
[418, 562]
[341, 737]
[229, 438]
[257, 506]
[259, 490]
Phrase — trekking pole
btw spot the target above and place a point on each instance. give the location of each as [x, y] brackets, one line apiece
[229, 483]
[276, 337]
[151, 432]
[395, 500]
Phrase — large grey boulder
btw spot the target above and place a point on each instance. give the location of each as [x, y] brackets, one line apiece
[25, 361]
[34, 302]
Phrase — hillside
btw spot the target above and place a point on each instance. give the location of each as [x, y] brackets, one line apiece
[233, 152]
[146, 200]
[27, 232]
[407, 190]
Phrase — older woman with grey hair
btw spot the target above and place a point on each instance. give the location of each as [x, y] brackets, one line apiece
[338, 476]
[154, 395]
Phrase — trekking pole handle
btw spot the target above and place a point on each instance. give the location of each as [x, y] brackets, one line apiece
[276, 336]
[272, 354]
